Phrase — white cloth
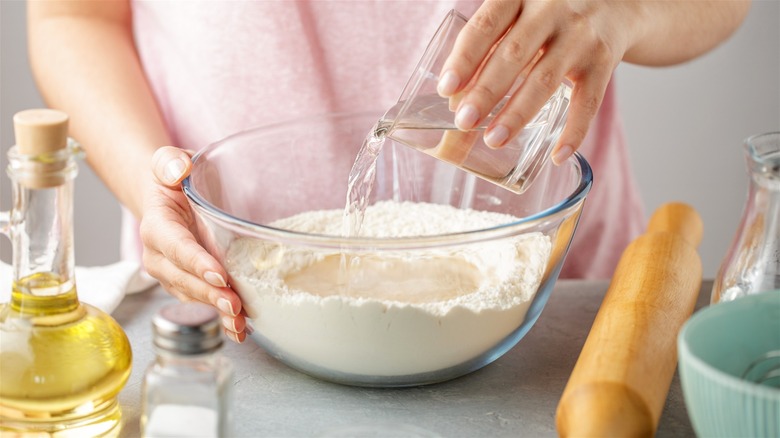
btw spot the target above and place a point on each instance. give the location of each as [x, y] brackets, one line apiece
[101, 286]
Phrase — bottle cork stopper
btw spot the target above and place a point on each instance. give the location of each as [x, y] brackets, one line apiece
[40, 131]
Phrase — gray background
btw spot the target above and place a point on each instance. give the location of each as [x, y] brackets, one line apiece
[685, 125]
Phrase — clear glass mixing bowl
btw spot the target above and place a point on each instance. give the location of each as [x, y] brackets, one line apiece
[443, 300]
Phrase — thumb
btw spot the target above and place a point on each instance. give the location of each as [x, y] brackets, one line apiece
[170, 165]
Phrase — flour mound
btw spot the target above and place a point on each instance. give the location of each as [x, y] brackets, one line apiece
[391, 313]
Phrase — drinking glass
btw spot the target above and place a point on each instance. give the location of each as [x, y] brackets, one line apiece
[425, 121]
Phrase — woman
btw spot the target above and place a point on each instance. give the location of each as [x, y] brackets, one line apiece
[136, 76]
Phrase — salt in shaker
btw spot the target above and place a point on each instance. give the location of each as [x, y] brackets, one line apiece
[187, 389]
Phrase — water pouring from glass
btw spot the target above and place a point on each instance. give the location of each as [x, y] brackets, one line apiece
[425, 121]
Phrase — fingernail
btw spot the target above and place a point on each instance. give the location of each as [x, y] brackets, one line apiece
[496, 137]
[448, 83]
[225, 306]
[562, 154]
[174, 170]
[214, 279]
[229, 323]
[233, 337]
[466, 117]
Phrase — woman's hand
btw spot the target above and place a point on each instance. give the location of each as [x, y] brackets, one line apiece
[86, 64]
[545, 42]
[172, 253]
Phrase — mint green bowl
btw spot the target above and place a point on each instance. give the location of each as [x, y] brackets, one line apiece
[716, 346]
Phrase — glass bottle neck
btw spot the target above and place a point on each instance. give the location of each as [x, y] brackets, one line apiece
[763, 161]
[41, 232]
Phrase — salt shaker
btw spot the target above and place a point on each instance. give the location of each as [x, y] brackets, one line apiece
[752, 263]
[187, 389]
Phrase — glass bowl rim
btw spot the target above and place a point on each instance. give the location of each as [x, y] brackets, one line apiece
[563, 207]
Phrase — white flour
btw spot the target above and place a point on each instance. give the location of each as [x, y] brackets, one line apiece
[402, 313]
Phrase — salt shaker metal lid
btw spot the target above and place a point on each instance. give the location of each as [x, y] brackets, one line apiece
[187, 328]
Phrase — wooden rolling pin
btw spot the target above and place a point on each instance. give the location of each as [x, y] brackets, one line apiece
[620, 382]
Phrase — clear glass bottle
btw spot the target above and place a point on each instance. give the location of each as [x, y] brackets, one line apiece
[187, 389]
[752, 263]
[62, 362]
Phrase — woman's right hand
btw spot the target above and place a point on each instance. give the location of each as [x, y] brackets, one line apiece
[172, 253]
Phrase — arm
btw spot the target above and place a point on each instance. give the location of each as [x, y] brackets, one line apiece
[85, 63]
[675, 31]
[582, 41]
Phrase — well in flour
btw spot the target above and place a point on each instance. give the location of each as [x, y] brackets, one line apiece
[399, 312]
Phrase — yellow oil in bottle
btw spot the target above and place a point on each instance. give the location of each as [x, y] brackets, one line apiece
[62, 362]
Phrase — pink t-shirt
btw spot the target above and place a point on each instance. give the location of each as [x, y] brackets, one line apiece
[217, 68]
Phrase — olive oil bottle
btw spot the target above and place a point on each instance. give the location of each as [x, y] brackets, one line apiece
[62, 362]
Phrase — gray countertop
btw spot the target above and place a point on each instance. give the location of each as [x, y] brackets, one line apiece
[514, 396]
